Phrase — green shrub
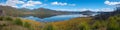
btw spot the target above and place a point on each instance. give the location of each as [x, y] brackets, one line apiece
[114, 23]
[26, 24]
[99, 24]
[84, 26]
[1, 18]
[49, 27]
[18, 21]
[8, 18]
[5, 18]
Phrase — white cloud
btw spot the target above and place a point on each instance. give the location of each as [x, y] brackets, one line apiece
[96, 10]
[72, 4]
[111, 3]
[54, 3]
[62, 4]
[106, 9]
[31, 3]
[85, 9]
[13, 3]
[15, 6]
[34, 2]
[58, 3]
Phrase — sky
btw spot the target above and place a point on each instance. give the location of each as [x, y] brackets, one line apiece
[63, 5]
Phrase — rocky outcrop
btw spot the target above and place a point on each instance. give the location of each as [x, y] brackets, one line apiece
[2, 13]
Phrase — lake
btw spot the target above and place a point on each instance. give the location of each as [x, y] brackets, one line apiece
[55, 18]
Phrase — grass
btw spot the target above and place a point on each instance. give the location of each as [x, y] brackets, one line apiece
[14, 23]
[85, 23]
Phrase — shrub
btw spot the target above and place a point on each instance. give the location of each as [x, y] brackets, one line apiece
[114, 23]
[26, 24]
[49, 27]
[99, 24]
[1, 18]
[84, 26]
[8, 18]
[18, 21]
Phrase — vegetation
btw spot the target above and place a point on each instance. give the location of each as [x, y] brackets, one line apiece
[114, 23]
[1, 18]
[49, 27]
[7, 18]
[26, 24]
[12, 23]
[87, 23]
[18, 22]
[103, 21]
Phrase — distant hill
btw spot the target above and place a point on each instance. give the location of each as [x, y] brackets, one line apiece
[40, 12]
[88, 12]
[10, 10]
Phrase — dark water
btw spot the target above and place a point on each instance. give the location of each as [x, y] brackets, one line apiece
[55, 18]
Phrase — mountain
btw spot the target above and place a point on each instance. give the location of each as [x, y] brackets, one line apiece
[40, 12]
[10, 10]
[87, 12]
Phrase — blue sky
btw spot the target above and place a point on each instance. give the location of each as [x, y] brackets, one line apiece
[63, 5]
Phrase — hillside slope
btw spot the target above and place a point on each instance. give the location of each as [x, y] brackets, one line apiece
[40, 12]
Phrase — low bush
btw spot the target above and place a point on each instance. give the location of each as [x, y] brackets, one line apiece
[18, 21]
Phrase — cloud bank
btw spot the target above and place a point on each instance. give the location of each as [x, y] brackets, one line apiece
[14, 3]
[111, 3]
[85, 9]
[31, 3]
[62, 4]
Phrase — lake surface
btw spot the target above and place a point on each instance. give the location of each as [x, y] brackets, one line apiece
[55, 18]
